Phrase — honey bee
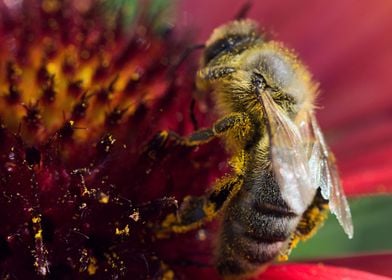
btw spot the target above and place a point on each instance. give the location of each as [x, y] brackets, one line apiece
[284, 175]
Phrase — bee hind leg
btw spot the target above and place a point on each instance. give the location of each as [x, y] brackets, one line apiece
[195, 211]
[312, 219]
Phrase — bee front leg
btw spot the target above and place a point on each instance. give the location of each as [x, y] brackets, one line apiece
[195, 211]
[238, 125]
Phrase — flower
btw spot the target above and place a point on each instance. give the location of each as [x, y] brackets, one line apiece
[306, 271]
[85, 88]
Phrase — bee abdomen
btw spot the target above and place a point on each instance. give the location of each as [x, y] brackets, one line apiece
[251, 259]
[255, 230]
[244, 250]
[270, 209]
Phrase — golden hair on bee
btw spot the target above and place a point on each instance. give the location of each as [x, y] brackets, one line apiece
[245, 28]
[238, 45]
[284, 176]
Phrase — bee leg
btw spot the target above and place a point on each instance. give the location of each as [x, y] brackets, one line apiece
[312, 219]
[164, 139]
[195, 211]
[237, 123]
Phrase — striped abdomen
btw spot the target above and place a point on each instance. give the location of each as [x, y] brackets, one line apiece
[256, 226]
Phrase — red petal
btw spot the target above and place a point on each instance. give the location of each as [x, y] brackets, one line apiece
[315, 271]
[365, 156]
[378, 263]
[348, 50]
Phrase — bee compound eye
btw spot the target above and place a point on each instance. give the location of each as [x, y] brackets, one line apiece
[258, 81]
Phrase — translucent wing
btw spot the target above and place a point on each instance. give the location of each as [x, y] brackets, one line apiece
[288, 156]
[326, 176]
[302, 162]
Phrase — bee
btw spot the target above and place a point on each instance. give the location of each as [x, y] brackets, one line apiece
[284, 175]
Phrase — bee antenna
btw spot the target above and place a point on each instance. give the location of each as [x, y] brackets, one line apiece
[192, 114]
[244, 10]
[172, 70]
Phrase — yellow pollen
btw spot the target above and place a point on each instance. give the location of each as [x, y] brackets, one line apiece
[36, 220]
[124, 231]
[38, 235]
[104, 198]
[92, 266]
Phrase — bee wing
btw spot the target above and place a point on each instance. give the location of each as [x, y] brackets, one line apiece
[326, 176]
[288, 156]
[302, 162]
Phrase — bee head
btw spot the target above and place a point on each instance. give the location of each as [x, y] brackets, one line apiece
[238, 62]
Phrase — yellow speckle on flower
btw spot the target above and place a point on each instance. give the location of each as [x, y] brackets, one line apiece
[92, 266]
[86, 74]
[85, 191]
[51, 6]
[135, 76]
[168, 274]
[36, 220]
[124, 231]
[53, 68]
[135, 216]
[104, 198]
[38, 235]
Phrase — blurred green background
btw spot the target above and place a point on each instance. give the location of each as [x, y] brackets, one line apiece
[372, 218]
